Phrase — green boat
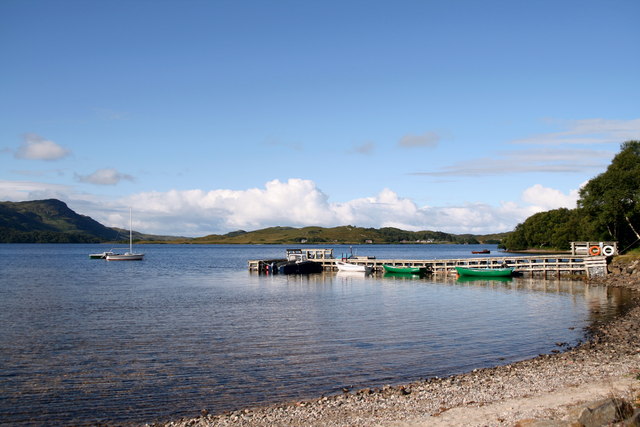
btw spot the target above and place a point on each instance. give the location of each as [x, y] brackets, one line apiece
[485, 272]
[404, 270]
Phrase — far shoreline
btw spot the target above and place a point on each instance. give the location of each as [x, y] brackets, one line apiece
[538, 251]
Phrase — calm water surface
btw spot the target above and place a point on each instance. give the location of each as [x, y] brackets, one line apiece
[87, 341]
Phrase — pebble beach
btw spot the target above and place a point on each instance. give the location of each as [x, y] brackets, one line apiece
[548, 390]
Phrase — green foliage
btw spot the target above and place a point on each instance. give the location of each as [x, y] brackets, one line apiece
[51, 221]
[611, 200]
[553, 229]
[468, 239]
[12, 236]
[347, 234]
[39, 216]
[608, 209]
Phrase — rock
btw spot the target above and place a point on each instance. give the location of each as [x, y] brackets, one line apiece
[604, 412]
[634, 420]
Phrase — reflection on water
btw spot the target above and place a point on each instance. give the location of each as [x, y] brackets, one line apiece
[190, 328]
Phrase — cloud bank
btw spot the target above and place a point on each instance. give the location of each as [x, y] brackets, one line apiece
[295, 203]
[299, 203]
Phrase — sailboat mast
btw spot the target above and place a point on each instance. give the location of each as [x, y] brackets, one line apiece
[130, 233]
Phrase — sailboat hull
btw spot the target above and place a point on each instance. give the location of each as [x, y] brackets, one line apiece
[125, 257]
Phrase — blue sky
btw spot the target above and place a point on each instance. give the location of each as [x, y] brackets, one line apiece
[212, 116]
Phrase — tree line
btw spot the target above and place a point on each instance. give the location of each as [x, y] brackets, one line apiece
[12, 236]
[608, 209]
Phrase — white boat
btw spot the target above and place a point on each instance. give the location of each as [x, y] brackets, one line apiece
[129, 255]
[346, 266]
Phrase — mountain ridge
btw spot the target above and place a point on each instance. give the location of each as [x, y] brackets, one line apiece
[52, 221]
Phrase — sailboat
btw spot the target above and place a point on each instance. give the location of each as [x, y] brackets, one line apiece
[129, 255]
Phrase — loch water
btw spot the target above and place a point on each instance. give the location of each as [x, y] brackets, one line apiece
[189, 328]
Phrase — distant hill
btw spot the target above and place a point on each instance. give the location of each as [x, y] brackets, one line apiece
[344, 235]
[49, 221]
[52, 221]
[123, 234]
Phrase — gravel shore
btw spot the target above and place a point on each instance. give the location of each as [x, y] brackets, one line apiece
[549, 387]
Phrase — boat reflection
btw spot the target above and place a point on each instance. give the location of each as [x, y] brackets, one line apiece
[388, 274]
[484, 279]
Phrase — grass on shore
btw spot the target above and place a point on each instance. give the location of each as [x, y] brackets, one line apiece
[631, 255]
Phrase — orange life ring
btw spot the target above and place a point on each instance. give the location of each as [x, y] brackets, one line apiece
[594, 250]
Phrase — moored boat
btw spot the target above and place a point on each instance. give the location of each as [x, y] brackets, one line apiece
[102, 255]
[485, 272]
[297, 263]
[404, 270]
[346, 266]
[484, 251]
[129, 255]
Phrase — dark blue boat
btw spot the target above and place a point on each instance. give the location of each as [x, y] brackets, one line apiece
[297, 263]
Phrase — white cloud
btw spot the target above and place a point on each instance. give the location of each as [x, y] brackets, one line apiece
[106, 176]
[549, 198]
[295, 202]
[384, 210]
[300, 203]
[427, 139]
[35, 147]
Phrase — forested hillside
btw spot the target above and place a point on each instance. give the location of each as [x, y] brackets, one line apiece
[343, 235]
[49, 221]
[608, 209]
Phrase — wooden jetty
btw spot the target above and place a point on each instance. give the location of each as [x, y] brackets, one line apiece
[534, 265]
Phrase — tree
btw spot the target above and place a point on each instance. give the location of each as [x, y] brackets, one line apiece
[548, 230]
[611, 200]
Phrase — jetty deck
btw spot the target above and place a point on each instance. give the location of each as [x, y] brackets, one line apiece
[534, 265]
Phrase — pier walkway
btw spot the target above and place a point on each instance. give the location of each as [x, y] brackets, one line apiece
[534, 265]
